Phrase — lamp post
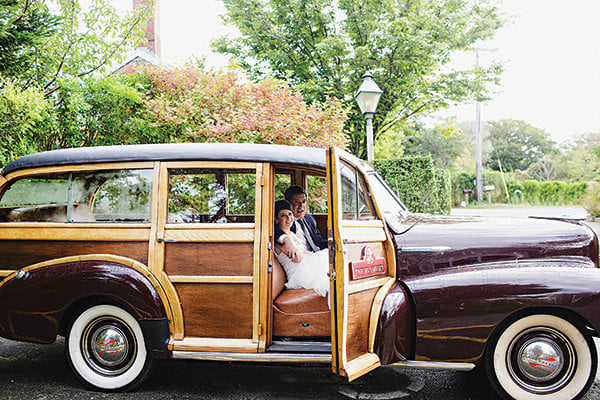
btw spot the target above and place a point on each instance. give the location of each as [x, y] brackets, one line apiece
[367, 97]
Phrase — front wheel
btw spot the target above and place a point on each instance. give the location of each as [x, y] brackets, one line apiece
[105, 348]
[542, 357]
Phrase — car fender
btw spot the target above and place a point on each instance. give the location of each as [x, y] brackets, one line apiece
[35, 299]
[458, 309]
[395, 331]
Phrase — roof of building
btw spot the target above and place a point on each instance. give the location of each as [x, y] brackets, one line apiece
[172, 152]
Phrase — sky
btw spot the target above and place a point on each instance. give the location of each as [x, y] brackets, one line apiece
[550, 49]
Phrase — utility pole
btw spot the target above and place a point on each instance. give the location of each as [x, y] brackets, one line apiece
[478, 161]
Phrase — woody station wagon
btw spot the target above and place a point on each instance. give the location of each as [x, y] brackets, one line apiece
[166, 251]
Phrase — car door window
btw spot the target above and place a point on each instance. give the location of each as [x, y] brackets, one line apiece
[356, 203]
[211, 196]
[316, 187]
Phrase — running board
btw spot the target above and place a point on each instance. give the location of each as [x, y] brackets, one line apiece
[253, 357]
[451, 366]
[285, 346]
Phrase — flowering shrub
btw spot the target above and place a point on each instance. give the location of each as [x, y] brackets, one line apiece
[192, 105]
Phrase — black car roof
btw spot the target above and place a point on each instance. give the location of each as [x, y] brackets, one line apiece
[172, 152]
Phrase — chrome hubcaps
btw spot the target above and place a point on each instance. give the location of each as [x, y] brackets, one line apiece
[108, 346]
[541, 360]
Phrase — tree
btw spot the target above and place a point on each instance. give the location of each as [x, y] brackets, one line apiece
[580, 159]
[26, 120]
[324, 46]
[45, 48]
[517, 145]
[25, 26]
[188, 104]
[444, 143]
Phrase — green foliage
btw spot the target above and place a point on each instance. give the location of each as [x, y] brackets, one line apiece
[41, 48]
[324, 46]
[416, 181]
[517, 144]
[591, 200]
[188, 104]
[114, 113]
[532, 191]
[26, 121]
[157, 105]
[548, 193]
[444, 144]
[580, 159]
[25, 26]
[466, 180]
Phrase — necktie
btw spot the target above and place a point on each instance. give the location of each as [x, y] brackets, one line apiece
[310, 244]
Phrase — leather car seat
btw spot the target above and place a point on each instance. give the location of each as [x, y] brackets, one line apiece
[298, 312]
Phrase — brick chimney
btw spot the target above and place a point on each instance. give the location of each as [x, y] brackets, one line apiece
[152, 38]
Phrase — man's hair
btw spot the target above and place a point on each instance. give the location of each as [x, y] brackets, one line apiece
[294, 190]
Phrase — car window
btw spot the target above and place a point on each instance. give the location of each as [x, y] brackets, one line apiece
[283, 180]
[211, 196]
[98, 196]
[356, 203]
[316, 188]
[393, 210]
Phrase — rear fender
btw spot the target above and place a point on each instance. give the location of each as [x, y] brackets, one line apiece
[34, 302]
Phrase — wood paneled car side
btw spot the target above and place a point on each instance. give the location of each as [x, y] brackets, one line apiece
[137, 252]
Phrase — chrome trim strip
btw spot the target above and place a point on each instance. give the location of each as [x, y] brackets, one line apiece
[451, 366]
[256, 357]
[434, 249]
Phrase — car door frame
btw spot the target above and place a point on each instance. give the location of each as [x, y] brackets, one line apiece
[355, 303]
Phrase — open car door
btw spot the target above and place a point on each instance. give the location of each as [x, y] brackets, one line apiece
[362, 265]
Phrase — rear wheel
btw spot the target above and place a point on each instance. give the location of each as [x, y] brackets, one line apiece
[105, 348]
[542, 356]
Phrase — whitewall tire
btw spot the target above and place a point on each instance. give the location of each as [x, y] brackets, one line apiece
[105, 348]
[541, 356]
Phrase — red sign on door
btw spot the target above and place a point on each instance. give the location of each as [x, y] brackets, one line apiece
[368, 265]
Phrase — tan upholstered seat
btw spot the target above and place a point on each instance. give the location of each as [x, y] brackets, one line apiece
[298, 312]
[51, 213]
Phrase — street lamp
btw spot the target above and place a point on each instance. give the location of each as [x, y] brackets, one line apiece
[367, 97]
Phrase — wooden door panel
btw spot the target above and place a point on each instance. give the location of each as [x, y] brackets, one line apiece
[216, 310]
[209, 259]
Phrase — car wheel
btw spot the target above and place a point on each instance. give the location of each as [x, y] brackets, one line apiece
[541, 356]
[105, 348]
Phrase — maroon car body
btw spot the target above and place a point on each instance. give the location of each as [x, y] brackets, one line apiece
[519, 297]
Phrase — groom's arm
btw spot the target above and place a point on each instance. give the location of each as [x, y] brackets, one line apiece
[285, 244]
[314, 232]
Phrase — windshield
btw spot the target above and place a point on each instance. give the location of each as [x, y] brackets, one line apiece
[392, 208]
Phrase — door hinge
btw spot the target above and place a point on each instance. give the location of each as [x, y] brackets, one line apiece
[332, 275]
[262, 180]
[259, 329]
[270, 266]
[268, 245]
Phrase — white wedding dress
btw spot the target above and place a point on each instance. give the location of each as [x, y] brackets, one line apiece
[310, 272]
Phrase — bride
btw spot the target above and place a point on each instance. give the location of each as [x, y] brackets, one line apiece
[311, 271]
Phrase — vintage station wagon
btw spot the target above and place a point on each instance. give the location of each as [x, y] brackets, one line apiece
[166, 251]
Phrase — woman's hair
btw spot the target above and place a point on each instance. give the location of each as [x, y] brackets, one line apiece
[282, 205]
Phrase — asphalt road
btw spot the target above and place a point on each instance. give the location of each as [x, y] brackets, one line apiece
[31, 371]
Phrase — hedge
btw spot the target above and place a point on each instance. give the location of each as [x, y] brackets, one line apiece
[532, 191]
[418, 183]
[550, 192]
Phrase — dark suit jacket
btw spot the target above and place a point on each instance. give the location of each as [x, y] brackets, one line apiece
[311, 225]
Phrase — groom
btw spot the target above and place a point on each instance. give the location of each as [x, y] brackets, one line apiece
[304, 226]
